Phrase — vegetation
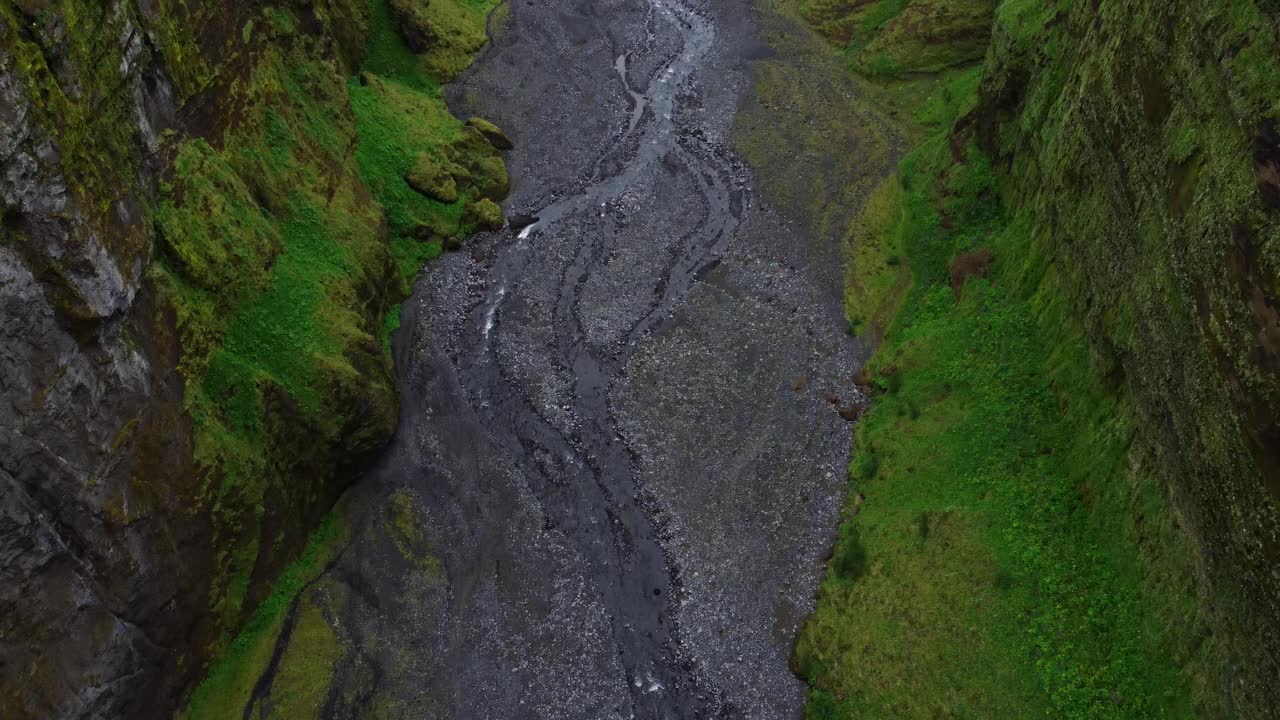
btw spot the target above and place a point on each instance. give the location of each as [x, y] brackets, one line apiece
[1022, 497]
[309, 642]
[994, 488]
[277, 273]
[284, 252]
[895, 38]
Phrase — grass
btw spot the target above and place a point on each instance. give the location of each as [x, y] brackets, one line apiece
[990, 531]
[1008, 549]
[231, 681]
[284, 252]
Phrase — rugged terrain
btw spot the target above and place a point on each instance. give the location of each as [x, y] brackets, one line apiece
[621, 449]
[602, 447]
[206, 229]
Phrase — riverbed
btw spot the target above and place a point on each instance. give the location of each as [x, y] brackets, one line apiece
[621, 458]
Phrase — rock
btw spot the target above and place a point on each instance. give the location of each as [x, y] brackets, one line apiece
[414, 25]
[1266, 164]
[453, 242]
[471, 143]
[520, 221]
[485, 213]
[492, 133]
[432, 179]
[461, 175]
[852, 412]
[489, 178]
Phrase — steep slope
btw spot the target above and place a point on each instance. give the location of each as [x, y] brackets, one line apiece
[1068, 480]
[202, 245]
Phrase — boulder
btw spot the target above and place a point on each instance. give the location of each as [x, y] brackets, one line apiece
[489, 178]
[411, 20]
[433, 180]
[485, 213]
[492, 133]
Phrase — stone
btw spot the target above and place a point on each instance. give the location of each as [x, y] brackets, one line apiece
[492, 133]
[519, 221]
[485, 213]
[414, 25]
[432, 179]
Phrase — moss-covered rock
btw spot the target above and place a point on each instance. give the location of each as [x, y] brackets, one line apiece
[433, 179]
[206, 221]
[489, 178]
[414, 23]
[485, 213]
[492, 133]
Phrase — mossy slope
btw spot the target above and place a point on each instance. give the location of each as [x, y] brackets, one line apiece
[1059, 503]
[287, 301]
[213, 198]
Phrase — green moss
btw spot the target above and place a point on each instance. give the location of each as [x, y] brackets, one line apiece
[459, 27]
[232, 680]
[997, 436]
[431, 179]
[485, 213]
[892, 38]
[306, 670]
[1039, 426]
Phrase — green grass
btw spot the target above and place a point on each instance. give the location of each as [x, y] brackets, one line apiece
[988, 571]
[401, 114]
[232, 679]
[1051, 445]
[284, 255]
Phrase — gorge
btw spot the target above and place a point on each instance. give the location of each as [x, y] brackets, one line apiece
[456, 359]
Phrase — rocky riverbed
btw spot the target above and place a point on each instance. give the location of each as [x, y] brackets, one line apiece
[621, 457]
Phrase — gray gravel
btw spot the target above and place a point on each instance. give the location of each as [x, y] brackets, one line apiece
[618, 435]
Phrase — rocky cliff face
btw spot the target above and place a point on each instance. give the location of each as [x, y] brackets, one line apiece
[88, 383]
[194, 279]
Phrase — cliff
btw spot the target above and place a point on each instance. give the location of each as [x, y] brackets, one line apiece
[1139, 139]
[207, 228]
[1071, 464]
